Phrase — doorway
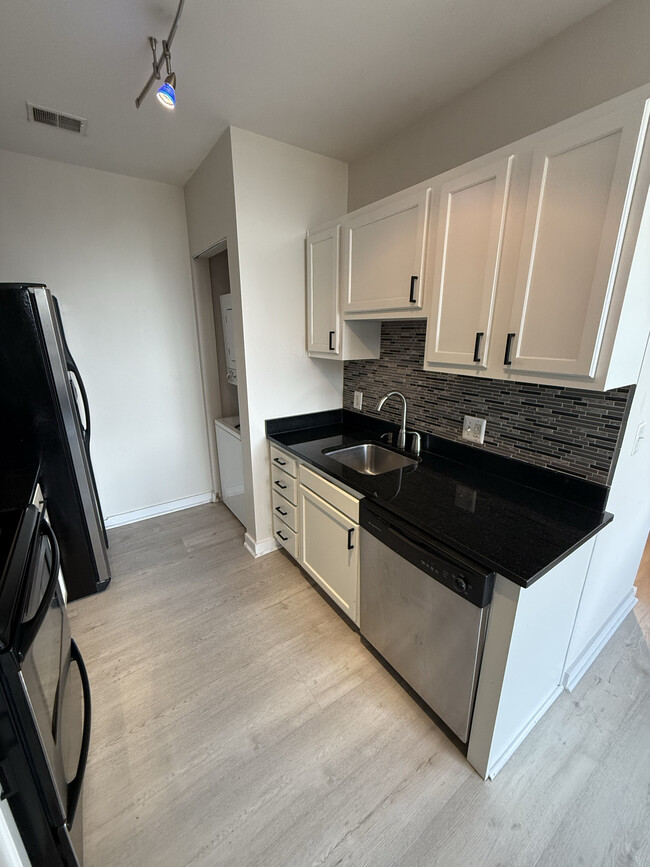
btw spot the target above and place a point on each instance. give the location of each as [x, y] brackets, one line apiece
[227, 425]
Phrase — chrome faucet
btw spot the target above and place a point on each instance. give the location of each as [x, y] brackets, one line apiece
[401, 436]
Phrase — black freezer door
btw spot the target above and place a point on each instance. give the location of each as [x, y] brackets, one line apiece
[39, 407]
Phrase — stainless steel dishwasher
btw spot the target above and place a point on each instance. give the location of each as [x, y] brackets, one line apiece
[425, 609]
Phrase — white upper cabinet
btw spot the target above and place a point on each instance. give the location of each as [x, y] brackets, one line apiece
[383, 256]
[327, 335]
[579, 198]
[469, 239]
[323, 291]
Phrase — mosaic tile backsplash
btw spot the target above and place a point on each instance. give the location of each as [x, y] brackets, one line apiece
[565, 429]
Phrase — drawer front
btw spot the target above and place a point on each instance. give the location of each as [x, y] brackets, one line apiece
[284, 485]
[283, 461]
[341, 500]
[286, 537]
[285, 511]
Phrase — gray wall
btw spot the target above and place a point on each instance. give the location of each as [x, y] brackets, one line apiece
[600, 57]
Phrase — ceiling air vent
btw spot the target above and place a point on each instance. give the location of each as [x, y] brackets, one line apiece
[54, 118]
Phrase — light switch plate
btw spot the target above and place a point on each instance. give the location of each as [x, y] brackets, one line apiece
[358, 399]
[474, 429]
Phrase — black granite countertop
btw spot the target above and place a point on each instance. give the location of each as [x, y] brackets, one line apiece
[507, 516]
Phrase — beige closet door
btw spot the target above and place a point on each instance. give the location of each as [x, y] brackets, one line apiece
[575, 219]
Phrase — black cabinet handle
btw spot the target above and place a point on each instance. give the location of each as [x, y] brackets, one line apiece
[278, 461]
[477, 345]
[284, 538]
[412, 298]
[511, 337]
[280, 485]
[350, 545]
[332, 333]
[281, 511]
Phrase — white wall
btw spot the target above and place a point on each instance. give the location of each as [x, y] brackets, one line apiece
[261, 195]
[114, 251]
[280, 191]
[600, 57]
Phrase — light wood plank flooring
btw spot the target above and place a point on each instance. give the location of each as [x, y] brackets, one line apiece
[239, 721]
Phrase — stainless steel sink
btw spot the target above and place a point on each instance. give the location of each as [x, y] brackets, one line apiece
[370, 458]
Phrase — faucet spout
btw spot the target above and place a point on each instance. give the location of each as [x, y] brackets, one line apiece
[401, 436]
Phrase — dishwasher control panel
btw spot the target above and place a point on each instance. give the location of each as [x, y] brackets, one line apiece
[450, 568]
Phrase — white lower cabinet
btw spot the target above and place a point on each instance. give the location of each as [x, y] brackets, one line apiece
[317, 522]
[330, 550]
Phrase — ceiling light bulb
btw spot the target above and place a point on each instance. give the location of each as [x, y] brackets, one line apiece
[167, 92]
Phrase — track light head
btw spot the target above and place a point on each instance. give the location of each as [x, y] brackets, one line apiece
[167, 92]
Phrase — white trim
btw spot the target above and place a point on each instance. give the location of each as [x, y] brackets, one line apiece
[496, 766]
[259, 549]
[581, 663]
[159, 509]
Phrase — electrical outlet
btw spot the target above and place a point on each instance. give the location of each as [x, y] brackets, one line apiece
[358, 399]
[474, 429]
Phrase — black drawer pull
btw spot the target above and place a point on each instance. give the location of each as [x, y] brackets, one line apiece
[281, 511]
[350, 545]
[511, 337]
[284, 538]
[332, 333]
[280, 485]
[412, 298]
[477, 345]
[278, 461]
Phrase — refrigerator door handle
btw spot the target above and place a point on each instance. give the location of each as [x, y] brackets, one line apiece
[74, 786]
[32, 626]
[72, 368]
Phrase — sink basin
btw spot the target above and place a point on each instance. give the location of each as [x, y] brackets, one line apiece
[370, 458]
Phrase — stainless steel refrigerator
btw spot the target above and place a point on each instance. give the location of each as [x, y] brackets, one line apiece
[44, 411]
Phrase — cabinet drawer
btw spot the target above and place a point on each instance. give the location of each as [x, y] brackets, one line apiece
[284, 461]
[285, 485]
[341, 500]
[285, 511]
[286, 537]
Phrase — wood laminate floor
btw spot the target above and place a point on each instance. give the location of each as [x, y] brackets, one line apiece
[239, 721]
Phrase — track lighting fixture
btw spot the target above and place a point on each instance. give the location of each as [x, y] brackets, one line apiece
[167, 91]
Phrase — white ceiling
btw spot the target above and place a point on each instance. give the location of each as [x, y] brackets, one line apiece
[335, 76]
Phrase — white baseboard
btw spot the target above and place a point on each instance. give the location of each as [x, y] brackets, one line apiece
[496, 765]
[158, 509]
[258, 549]
[581, 663]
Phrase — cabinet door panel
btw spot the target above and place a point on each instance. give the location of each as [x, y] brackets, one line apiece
[326, 554]
[385, 249]
[323, 333]
[470, 237]
[575, 220]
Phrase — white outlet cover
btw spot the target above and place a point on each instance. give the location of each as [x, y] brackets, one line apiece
[474, 429]
[358, 399]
